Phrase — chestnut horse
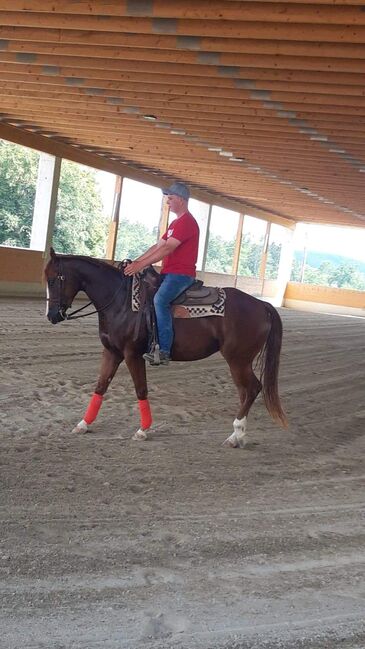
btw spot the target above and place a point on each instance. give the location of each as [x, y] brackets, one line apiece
[250, 328]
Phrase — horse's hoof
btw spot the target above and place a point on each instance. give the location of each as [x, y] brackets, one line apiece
[81, 427]
[140, 435]
[231, 442]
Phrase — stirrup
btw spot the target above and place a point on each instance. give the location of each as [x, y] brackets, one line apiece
[156, 354]
[153, 356]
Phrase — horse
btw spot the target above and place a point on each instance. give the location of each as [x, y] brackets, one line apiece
[249, 330]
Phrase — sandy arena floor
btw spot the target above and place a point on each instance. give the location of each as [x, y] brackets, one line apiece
[178, 542]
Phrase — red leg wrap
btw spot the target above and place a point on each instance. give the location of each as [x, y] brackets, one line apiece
[93, 408]
[145, 412]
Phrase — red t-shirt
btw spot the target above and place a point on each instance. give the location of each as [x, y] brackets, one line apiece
[182, 260]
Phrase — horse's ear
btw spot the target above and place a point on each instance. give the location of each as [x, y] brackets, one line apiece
[52, 253]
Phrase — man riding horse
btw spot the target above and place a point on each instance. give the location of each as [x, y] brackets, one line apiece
[178, 250]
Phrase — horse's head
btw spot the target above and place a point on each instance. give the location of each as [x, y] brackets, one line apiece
[61, 290]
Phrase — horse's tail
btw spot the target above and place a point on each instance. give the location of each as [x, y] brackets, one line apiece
[270, 359]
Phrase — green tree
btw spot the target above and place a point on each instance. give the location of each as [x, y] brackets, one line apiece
[343, 276]
[18, 179]
[134, 239]
[80, 226]
[219, 255]
[250, 257]
[273, 260]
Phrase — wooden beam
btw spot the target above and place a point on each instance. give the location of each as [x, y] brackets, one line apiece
[165, 94]
[98, 57]
[114, 40]
[301, 30]
[194, 86]
[237, 247]
[114, 223]
[156, 179]
[205, 10]
[264, 253]
[164, 217]
[181, 73]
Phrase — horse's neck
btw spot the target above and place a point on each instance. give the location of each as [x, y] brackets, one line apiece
[102, 286]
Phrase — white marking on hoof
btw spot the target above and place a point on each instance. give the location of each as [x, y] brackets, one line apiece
[81, 427]
[239, 426]
[238, 437]
[231, 441]
[140, 435]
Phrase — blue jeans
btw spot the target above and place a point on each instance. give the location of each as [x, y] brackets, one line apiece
[172, 285]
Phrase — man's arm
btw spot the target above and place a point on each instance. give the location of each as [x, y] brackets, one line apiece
[152, 255]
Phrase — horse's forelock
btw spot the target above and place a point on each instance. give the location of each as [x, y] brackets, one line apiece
[46, 268]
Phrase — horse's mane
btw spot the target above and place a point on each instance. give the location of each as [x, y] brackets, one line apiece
[99, 263]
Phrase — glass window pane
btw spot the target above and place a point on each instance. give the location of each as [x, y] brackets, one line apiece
[278, 235]
[222, 239]
[329, 256]
[18, 182]
[253, 238]
[81, 225]
[200, 212]
[140, 212]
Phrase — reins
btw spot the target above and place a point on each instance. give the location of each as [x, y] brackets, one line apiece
[72, 315]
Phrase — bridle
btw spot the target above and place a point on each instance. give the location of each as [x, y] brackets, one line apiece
[62, 308]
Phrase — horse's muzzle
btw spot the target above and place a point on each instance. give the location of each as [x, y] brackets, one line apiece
[56, 315]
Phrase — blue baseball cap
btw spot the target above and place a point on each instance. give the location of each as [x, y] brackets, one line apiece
[178, 189]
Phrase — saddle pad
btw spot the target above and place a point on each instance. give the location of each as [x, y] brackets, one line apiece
[182, 311]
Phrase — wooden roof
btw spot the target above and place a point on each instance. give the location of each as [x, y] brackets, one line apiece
[258, 105]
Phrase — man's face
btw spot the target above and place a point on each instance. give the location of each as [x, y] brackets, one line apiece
[175, 203]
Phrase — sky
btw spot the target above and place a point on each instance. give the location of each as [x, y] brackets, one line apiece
[140, 200]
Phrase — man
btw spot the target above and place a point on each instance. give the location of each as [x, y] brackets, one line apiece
[178, 250]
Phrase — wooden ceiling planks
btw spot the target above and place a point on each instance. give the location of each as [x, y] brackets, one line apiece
[259, 103]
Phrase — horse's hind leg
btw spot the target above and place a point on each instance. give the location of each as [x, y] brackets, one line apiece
[248, 387]
[109, 365]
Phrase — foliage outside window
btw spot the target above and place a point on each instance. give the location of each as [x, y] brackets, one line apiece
[81, 227]
[222, 239]
[276, 239]
[253, 237]
[140, 212]
[18, 181]
[321, 268]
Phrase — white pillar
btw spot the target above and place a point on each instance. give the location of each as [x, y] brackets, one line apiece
[203, 218]
[285, 265]
[45, 202]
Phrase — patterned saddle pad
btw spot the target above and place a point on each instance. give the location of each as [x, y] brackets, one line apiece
[195, 310]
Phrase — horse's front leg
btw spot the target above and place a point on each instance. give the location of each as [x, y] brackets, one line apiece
[109, 365]
[137, 369]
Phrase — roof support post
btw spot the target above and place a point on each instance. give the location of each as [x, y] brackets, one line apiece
[264, 253]
[114, 223]
[44, 213]
[164, 217]
[237, 248]
[206, 242]
[285, 265]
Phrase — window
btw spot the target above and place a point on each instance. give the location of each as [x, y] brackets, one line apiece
[81, 225]
[18, 182]
[253, 238]
[278, 236]
[140, 212]
[200, 212]
[222, 239]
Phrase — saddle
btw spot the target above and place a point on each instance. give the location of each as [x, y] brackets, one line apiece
[196, 294]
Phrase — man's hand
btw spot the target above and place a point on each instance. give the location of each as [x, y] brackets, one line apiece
[134, 267]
